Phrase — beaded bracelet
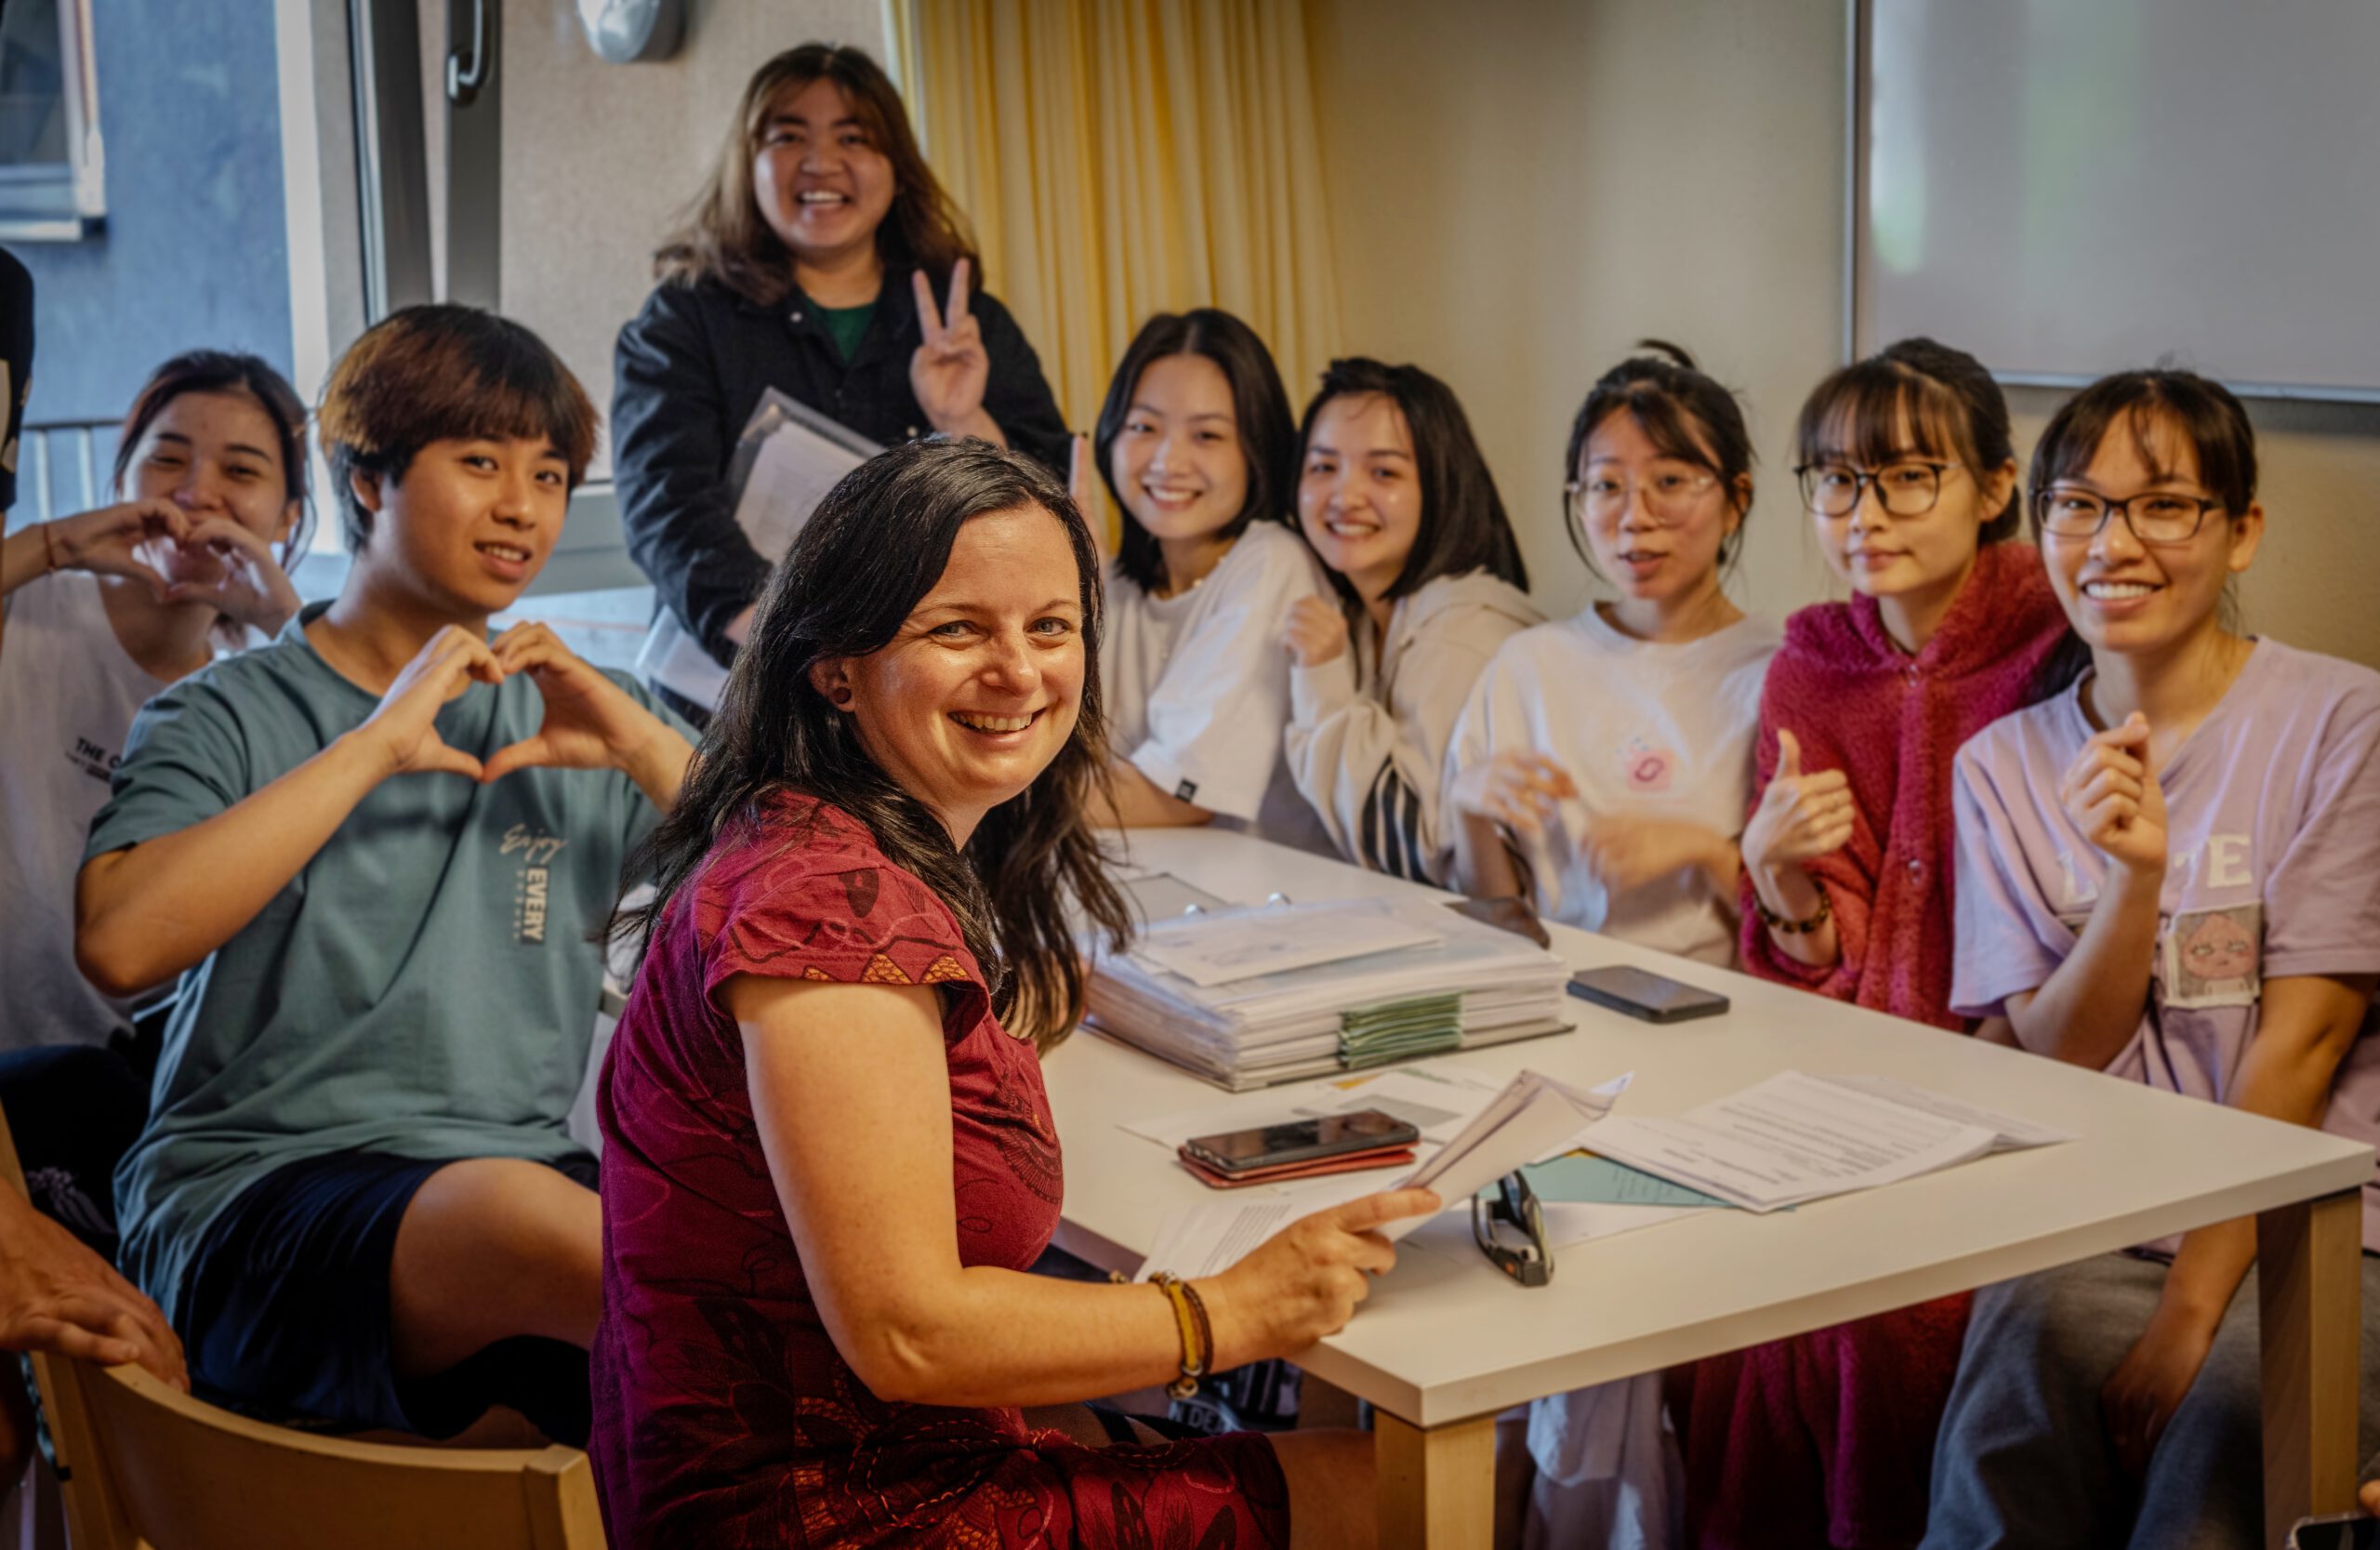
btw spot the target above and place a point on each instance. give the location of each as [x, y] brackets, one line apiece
[1197, 1336]
[1785, 927]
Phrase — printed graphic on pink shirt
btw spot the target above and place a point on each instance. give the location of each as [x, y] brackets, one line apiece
[1649, 769]
[2215, 957]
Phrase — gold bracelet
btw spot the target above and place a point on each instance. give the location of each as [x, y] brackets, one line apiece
[1785, 927]
[1190, 1315]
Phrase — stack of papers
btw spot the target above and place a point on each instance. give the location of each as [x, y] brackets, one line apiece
[1794, 1138]
[1246, 997]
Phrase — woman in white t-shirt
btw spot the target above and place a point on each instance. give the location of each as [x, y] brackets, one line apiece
[1604, 762]
[1604, 765]
[1397, 500]
[1197, 445]
[104, 609]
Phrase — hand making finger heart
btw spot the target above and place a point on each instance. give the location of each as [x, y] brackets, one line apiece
[231, 570]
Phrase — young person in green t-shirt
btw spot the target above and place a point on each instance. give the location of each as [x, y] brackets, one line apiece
[375, 851]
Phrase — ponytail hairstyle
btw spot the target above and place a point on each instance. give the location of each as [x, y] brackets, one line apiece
[1922, 389]
[1683, 413]
[1463, 526]
[1033, 868]
[2202, 412]
[723, 236]
[1267, 437]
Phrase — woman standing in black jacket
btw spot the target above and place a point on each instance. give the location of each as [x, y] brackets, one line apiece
[822, 259]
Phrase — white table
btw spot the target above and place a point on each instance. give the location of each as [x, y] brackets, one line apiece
[1445, 1343]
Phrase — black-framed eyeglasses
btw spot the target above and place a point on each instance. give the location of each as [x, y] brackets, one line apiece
[1510, 1229]
[2154, 516]
[1907, 488]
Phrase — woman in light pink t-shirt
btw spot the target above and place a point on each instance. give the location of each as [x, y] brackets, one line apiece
[2170, 871]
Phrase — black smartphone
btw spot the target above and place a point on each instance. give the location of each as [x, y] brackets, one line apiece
[1301, 1141]
[1505, 914]
[1648, 996]
[2347, 1532]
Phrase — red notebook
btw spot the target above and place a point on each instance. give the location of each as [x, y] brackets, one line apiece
[1345, 1162]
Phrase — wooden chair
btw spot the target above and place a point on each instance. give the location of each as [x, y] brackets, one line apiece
[174, 1473]
[143, 1466]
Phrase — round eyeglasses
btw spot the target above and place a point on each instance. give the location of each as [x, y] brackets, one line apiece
[1908, 488]
[1670, 495]
[2155, 517]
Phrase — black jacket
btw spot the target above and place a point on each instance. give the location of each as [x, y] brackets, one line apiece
[689, 371]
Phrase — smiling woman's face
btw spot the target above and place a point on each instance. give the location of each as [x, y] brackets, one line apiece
[823, 184]
[983, 684]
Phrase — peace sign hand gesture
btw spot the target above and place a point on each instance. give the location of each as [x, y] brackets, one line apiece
[950, 371]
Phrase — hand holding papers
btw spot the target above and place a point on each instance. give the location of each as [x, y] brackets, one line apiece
[1531, 1116]
[1794, 1138]
[787, 458]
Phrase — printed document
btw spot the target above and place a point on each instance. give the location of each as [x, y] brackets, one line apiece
[1794, 1138]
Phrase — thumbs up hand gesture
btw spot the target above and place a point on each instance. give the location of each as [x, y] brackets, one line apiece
[2112, 793]
[1801, 817]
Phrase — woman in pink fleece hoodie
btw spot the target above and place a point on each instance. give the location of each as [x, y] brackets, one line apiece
[1910, 476]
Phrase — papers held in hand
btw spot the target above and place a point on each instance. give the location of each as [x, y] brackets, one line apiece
[788, 456]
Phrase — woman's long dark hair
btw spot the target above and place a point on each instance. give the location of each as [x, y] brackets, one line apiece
[875, 547]
[1463, 526]
[1260, 405]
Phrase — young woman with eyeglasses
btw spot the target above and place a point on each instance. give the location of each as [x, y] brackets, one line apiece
[1397, 500]
[2169, 871]
[1603, 763]
[1911, 480]
[1601, 767]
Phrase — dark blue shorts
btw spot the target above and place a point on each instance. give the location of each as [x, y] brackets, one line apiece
[286, 1312]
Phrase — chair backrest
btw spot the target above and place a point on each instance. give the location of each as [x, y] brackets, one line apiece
[180, 1474]
[143, 1466]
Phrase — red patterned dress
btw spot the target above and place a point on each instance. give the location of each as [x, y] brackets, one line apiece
[724, 1416]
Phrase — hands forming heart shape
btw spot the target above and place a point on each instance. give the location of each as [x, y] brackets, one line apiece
[181, 559]
[589, 722]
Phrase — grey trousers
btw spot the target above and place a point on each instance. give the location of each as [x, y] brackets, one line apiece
[2023, 1457]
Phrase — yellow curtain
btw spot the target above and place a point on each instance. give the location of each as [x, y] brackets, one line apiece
[1124, 157]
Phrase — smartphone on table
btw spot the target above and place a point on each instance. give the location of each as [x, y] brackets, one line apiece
[1640, 993]
[2344, 1531]
[1235, 1153]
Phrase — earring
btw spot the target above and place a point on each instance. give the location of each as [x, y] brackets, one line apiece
[841, 696]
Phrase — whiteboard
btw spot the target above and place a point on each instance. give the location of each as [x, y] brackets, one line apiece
[2068, 188]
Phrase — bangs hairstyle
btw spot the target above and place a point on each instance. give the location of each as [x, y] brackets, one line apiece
[237, 376]
[875, 547]
[1915, 398]
[1463, 526]
[1260, 406]
[434, 372]
[1684, 414]
[722, 235]
[2203, 414]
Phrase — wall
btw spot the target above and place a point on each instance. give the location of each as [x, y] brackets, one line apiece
[1521, 190]
[195, 252]
[598, 157]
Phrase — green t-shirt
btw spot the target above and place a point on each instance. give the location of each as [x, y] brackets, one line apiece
[849, 325]
[424, 987]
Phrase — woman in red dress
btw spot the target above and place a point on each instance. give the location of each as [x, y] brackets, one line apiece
[829, 1161]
